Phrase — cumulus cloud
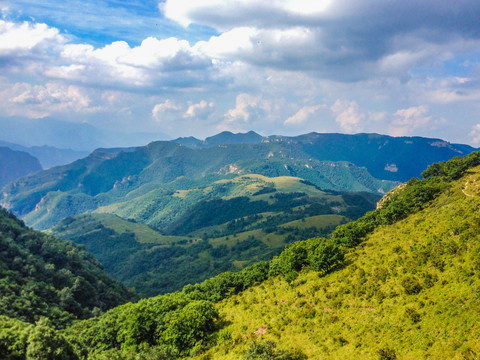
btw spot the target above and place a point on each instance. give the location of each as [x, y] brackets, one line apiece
[248, 110]
[475, 135]
[346, 40]
[453, 90]
[348, 115]
[22, 38]
[153, 62]
[38, 101]
[202, 110]
[302, 115]
[168, 107]
[408, 120]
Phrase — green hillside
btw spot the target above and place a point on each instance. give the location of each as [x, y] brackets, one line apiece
[43, 276]
[402, 282]
[141, 175]
[409, 291]
[144, 174]
[222, 226]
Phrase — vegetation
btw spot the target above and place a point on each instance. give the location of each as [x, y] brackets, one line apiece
[247, 224]
[141, 180]
[412, 286]
[43, 276]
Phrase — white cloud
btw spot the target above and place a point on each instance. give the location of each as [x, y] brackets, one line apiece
[153, 62]
[408, 120]
[225, 14]
[202, 110]
[168, 107]
[248, 110]
[38, 101]
[18, 39]
[348, 115]
[475, 135]
[302, 115]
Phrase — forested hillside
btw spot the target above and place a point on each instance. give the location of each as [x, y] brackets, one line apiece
[401, 282]
[43, 276]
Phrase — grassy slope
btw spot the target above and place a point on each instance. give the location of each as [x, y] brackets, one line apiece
[412, 287]
[154, 263]
[160, 207]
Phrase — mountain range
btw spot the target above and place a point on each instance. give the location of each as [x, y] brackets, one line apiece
[137, 182]
[385, 157]
[48, 156]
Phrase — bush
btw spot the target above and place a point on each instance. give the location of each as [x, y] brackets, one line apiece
[267, 351]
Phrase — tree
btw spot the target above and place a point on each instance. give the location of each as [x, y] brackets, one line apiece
[45, 344]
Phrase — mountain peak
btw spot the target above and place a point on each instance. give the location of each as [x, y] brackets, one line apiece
[227, 137]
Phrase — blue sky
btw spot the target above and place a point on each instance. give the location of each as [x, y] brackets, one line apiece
[186, 67]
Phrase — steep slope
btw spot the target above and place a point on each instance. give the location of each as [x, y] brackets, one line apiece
[224, 226]
[43, 276]
[15, 164]
[409, 291]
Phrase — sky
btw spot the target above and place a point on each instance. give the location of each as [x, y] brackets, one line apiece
[286, 67]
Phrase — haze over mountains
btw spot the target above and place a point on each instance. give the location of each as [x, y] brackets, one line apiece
[68, 135]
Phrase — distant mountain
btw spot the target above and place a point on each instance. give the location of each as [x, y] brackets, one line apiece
[68, 135]
[15, 164]
[48, 156]
[190, 142]
[385, 157]
[226, 137]
[43, 276]
[143, 179]
[223, 138]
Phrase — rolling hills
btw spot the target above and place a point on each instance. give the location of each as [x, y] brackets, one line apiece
[148, 174]
[222, 226]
